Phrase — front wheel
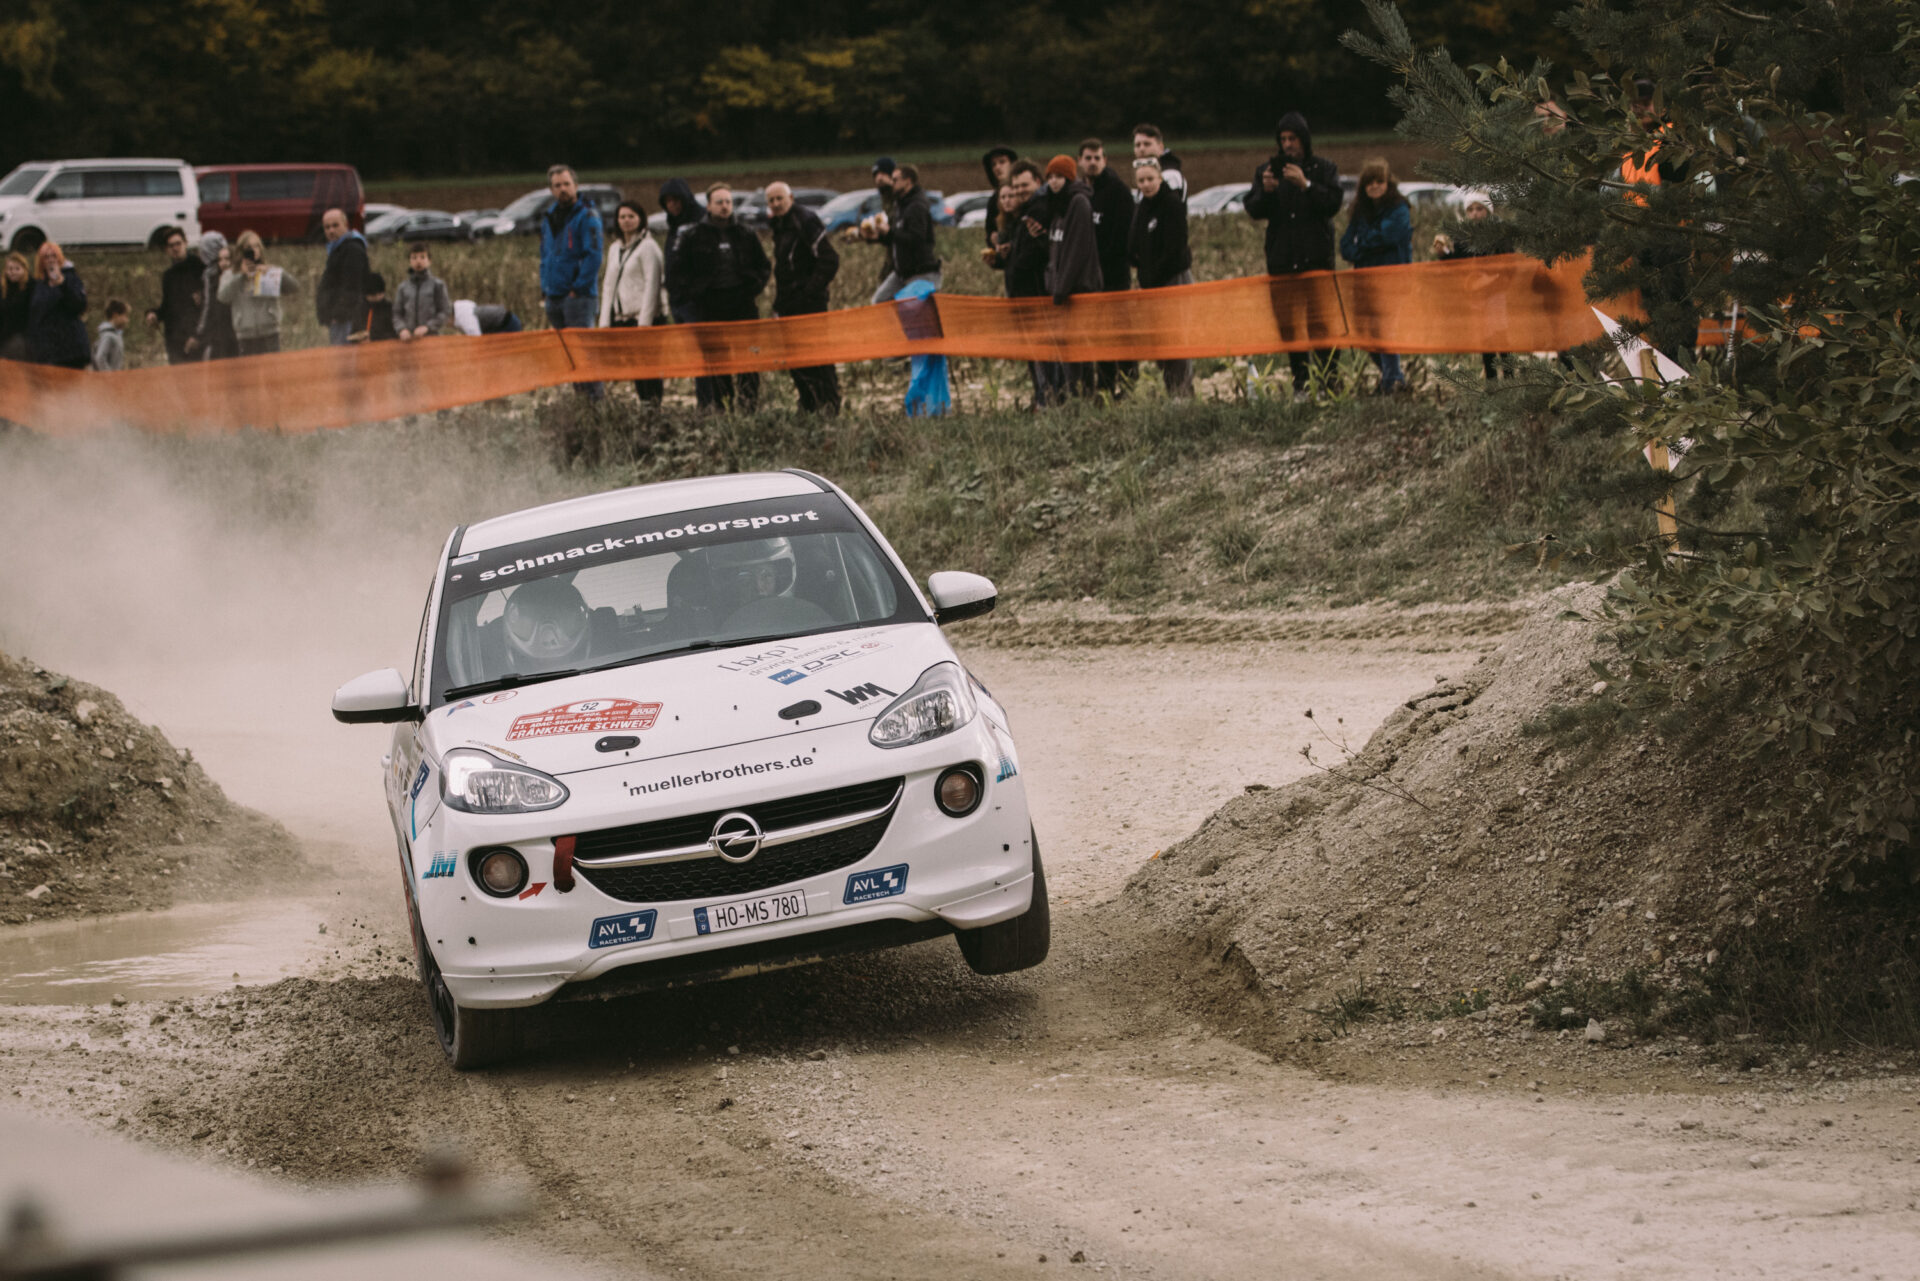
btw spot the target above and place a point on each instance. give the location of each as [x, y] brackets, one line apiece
[1017, 944]
[28, 241]
[469, 1038]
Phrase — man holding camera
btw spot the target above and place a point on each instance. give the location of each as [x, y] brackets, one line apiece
[1297, 194]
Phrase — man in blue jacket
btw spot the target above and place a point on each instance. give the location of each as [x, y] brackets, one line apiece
[571, 249]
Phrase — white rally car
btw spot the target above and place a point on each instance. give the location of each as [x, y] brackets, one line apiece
[688, 731]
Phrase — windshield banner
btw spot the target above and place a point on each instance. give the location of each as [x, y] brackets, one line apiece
[475, 573]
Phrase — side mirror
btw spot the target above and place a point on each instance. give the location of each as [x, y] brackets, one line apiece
[378, 698]
[958, 596]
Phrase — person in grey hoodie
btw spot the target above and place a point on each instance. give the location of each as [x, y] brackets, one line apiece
[422, 307]
[110, 347]
[213, 338]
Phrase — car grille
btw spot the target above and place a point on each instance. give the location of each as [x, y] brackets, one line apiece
[669, 882]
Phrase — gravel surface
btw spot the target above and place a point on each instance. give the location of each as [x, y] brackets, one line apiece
[895, 1116]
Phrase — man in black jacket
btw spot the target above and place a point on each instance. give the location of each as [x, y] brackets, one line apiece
[1150, 144]
[1297, 194]
[1021, 253]
[178, 313]
[722, 271]
[804, 265]
[342, 291]
[682, 210]
[1112, 222]
[908, 237]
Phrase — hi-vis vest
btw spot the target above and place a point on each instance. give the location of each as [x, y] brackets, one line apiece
[1634, 172]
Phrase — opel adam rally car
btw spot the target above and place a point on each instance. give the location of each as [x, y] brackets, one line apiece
[688, 731]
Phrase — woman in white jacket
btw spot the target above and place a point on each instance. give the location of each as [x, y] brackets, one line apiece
[630, 283]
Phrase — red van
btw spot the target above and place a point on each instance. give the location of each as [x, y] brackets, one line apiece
[281, 202]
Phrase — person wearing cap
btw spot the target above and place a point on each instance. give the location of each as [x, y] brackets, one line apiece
[1297, 194]
[908, 237]
[883, 171]
[1477, 242]
[1073, 262]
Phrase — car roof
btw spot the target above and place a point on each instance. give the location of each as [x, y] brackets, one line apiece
[102, 160]
[636, 503]
[286, 167]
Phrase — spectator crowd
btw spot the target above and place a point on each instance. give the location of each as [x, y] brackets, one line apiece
[1062, 228]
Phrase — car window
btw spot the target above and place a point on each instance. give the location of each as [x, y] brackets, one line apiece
[625, 593]
[279, 184]
[66, 185]
[216, 188]
[22, 180]
[128, 183]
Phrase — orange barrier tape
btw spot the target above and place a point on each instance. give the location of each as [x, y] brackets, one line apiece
[1497, 304]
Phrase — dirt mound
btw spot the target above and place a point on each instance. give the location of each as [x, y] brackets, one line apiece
[100, 813]
[1466, 859]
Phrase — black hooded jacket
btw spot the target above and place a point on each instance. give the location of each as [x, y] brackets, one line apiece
[804, 262]
[1112, 224]
[909, 236]
[1299, 221]
[1158, 245]
[1025, 265]
[1073, 252]
[179, 308]
[690, 213]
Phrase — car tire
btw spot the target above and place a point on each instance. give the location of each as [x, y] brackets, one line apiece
[469, 1038]
[28, 240]
[1018, 944]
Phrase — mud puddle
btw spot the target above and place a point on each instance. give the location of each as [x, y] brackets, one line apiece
[184, 951]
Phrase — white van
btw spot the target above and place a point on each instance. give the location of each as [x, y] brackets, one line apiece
[97, 202]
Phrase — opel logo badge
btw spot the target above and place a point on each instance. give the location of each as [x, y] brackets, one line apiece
[736, 837]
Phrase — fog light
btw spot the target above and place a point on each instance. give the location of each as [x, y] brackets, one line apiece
[958, 791]
[500, 872]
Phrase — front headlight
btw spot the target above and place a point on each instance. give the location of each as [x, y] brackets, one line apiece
[940, 702]
[477, 783]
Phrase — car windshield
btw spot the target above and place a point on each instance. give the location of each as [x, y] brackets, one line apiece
[21, 180]
[646, 588]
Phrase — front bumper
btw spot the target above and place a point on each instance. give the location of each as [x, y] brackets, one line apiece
[962, 873]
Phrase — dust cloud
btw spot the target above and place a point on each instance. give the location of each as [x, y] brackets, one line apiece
[224, 587]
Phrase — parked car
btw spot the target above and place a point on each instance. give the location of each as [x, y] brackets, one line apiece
[1441, 196]
[97, 202]
[688, 731]
[750, 207]
[847, 210]
[280, 202]
[963, 207]
[1228, 197]
[474, 217]
[522, 217]
[374, 210]
[417, 224]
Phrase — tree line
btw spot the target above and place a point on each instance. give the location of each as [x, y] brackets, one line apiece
[428, 87]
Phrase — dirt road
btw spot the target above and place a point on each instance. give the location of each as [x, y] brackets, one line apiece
[895, 1116]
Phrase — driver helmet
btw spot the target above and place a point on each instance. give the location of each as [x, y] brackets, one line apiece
[755, 569]
[546, 622]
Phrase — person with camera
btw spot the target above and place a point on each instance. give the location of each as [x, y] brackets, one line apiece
[1297, 194]
[254, 292]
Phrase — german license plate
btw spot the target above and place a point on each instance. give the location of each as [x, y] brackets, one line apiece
[767, 909]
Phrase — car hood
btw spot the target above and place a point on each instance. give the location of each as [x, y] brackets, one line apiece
[693, 702]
